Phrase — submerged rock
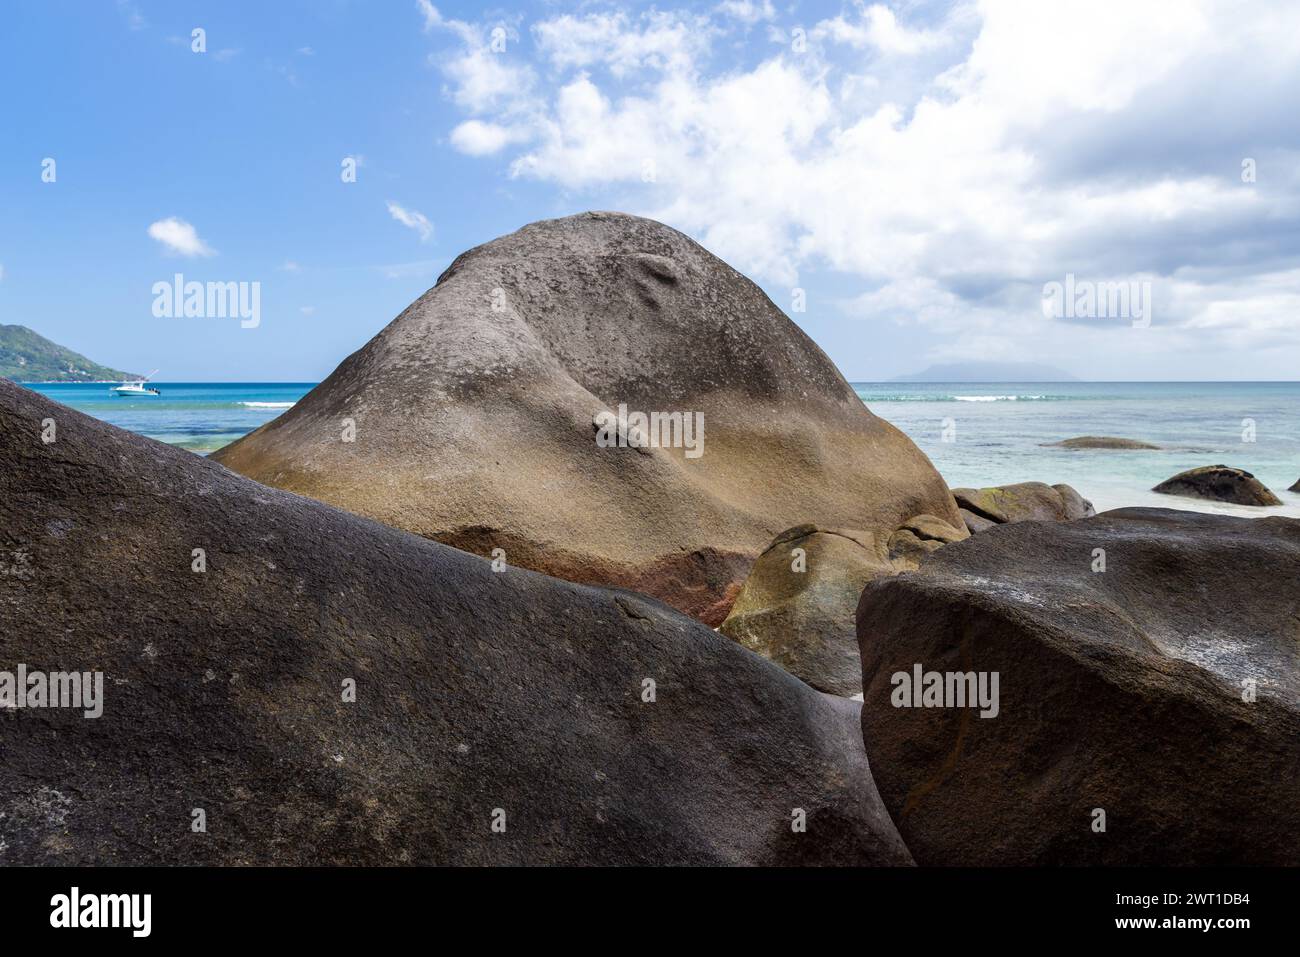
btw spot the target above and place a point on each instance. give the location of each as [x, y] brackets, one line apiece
[1100, 442]
[982, 508]
[1219, 483]
[797, 606]
[1147, 706]
[475, 417]
[321, 689]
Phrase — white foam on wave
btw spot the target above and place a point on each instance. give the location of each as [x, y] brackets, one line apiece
[268, 405]
[995, 398]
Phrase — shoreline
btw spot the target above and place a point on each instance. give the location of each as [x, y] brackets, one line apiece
[997, 443]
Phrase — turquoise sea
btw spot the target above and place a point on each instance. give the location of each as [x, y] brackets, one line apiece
[997, 430]
[199, 416]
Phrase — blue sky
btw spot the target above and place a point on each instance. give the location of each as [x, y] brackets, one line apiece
[919, 170]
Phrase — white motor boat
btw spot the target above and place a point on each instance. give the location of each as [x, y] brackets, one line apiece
[131, 389]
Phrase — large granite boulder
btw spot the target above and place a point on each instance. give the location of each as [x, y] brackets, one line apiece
[797, 605]
[1147, 683]
[315, 688]
[483, 417]
[1219, 483]
[983, 508]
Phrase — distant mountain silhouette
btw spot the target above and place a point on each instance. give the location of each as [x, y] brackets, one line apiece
[988, 372]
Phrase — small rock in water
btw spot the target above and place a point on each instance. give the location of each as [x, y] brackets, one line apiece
[1219, 483]
[1099, 442]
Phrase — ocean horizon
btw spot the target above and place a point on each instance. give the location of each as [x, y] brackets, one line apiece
[977, 434]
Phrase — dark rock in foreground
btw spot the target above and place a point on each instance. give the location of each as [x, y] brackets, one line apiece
[473, 413]
[1100, 442]
[1121, 692]
[797, 606]
[983, 508]
[474, 690]
[1219, 483]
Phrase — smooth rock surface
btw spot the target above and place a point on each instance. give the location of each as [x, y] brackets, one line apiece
[797, 606]
[1219, 483]
[474, 690]
[473, 413]
[983, 508]
[1121, 690]
[913, 543]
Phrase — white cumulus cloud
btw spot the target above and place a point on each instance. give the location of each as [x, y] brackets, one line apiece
[478, 138]
[877, 26]
[949, 163]
[747, 11]
[179, 238]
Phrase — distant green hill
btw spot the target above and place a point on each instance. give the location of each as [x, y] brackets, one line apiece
[28, 357]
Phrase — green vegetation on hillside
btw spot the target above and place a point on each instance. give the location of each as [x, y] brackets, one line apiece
[28, 357]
